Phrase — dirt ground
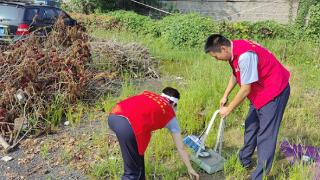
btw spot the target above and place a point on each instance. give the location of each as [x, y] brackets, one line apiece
[33, 161]
[29, 162]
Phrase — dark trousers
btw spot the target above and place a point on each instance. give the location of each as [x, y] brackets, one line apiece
[261, 131]
[133, 162]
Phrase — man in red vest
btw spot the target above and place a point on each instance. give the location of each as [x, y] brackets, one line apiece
[135, 118]
[265, 82]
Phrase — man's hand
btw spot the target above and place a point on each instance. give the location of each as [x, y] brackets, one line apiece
[184, 155]
[225, 111]
[192, 174]
[240, 96]
[223, 101]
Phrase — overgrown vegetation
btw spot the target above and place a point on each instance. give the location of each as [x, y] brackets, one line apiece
[308, 15]
[44, 78]
[94, 6]
[177, 31]
[303, 11]
[307, 22]
[186, 30]
[201, 84]
[41, 76]
[313, 27]
[177, 42]
[90, 6]
[203, 80]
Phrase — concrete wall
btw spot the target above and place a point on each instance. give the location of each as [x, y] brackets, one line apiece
[239, 10]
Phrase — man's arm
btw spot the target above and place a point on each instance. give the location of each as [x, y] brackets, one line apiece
[184, 155]
[241, 95]
[248, 65]
[232, 83]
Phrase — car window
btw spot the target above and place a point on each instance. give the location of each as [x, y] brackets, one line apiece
[31, 13]
[50, 14]
[59, 12]
[9, 13]
[63, 14]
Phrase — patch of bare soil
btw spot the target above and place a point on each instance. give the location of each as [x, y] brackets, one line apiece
[62, 155]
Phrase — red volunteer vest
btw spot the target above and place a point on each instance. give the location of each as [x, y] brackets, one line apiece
[273, 77]
[146, 112]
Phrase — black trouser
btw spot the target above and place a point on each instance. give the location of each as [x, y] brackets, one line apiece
[261, 132]
[133, 162]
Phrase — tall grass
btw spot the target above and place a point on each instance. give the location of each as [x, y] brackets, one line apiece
[202, 81]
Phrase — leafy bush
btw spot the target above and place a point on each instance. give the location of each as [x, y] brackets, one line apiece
[191, 30]
[94, 21]
[269, 29]
[235, 30]
[259, 30]
[186, 30]
[313, 27]
[135, 22]
[303, 10]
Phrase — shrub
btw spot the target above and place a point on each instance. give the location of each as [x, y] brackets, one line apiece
[258, 30]
[313, 27]
[235, 30]
[136, 23]
[191, 30]
[94, 21]
[186, 30]
[269, 29]
[303, 11]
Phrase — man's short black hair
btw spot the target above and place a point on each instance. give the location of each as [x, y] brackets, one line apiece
[171, 92]
[214, 43]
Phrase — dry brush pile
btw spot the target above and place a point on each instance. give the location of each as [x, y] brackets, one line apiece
[131, 59]
[40, 74]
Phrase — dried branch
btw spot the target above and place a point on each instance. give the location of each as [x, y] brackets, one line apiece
[65, 64]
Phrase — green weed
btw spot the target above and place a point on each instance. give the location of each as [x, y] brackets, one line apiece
[109, 168]
[75, 114]
[202, 81]
[55, 111]
[234, 169]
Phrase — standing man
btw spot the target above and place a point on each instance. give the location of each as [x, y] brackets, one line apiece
[265, 82]
[135, 118]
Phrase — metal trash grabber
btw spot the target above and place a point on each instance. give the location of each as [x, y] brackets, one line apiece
[211, 160]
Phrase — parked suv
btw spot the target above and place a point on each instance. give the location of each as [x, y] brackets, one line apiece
[19, 19]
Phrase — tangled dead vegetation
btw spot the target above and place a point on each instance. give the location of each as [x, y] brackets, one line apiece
[131, 59]
[41, 77]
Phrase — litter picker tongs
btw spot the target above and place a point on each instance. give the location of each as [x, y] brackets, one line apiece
[203, 136]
